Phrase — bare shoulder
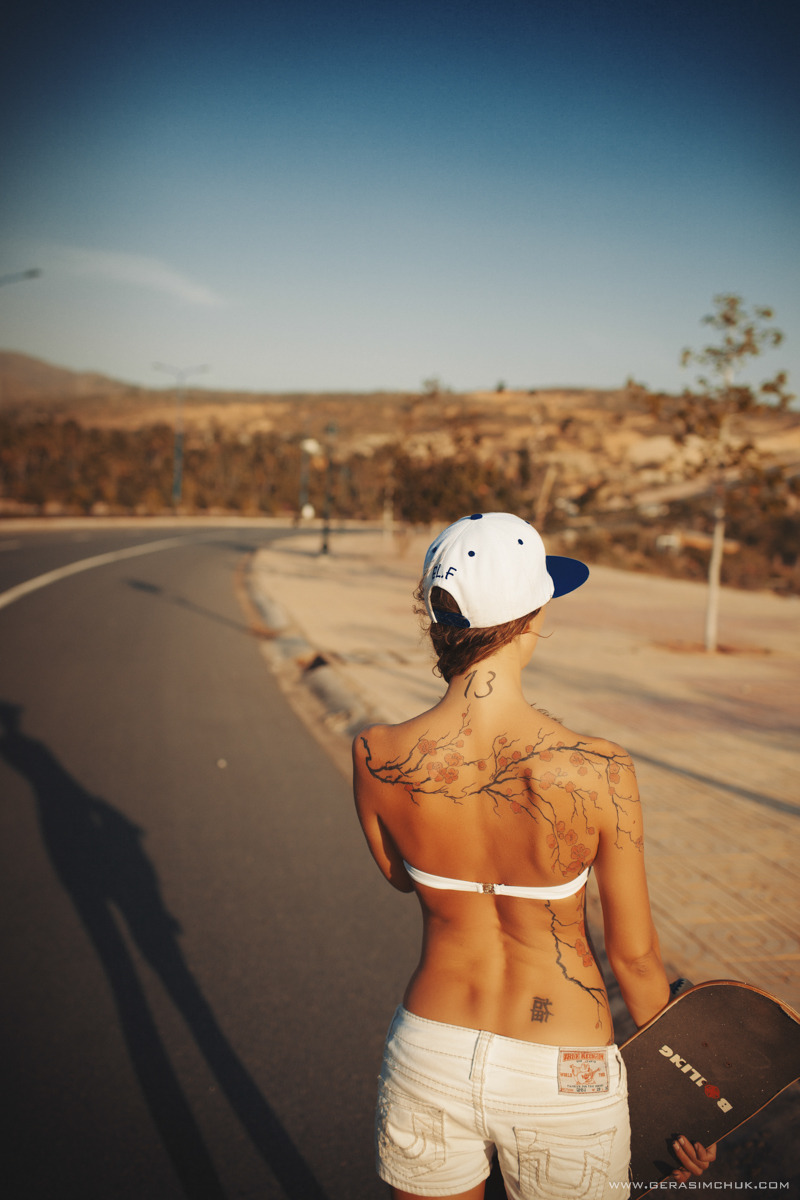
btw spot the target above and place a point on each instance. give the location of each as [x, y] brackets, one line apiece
[365, 743]
[555, 737]
[362, 740]
[613, 760]
[381, 757]
[383, 741]
[371, 800]
[598, 769]
[618, 805]
[603, 750]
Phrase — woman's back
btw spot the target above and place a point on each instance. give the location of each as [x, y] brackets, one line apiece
[486, 790]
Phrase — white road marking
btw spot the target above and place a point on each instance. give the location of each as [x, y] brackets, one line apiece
[85, 564]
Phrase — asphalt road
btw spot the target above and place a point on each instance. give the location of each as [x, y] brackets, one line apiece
[197, 968]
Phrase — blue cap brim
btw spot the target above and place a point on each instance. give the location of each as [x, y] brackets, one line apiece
[566, 573]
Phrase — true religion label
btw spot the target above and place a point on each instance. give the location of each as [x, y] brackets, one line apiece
[581, 1072]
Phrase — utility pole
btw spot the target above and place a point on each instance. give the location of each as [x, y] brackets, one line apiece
[180, 374]
[309, 447]
[326, 516]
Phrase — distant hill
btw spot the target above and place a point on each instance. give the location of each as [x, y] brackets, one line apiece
[24, 379]
[429, 424]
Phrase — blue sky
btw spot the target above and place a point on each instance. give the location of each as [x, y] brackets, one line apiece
[349, 195]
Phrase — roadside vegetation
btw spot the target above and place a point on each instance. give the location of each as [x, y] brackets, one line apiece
[704, 485]
[59, 467]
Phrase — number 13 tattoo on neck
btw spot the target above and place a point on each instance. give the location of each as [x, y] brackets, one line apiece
[480, 695]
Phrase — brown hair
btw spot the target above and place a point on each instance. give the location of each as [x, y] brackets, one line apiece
[459, 649]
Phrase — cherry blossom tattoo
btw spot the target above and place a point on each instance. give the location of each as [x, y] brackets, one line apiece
[511, 777]
[573, 947]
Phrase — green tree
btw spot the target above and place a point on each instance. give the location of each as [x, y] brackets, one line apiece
[711, 413]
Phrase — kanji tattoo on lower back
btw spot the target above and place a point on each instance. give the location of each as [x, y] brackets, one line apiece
[540, 1009]
[515, 776]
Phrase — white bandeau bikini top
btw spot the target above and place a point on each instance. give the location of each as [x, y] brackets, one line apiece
[557, 891]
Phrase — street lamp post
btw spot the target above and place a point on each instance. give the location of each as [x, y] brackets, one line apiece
[326, 517]
[180, 374]
[310, 447]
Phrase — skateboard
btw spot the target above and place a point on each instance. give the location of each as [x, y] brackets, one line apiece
[706, 1063]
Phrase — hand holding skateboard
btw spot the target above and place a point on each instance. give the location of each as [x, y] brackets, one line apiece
[695, 1158]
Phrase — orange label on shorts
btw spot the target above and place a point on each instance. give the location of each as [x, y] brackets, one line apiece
[582, 1071]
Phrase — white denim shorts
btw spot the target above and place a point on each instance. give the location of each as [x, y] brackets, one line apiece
[449, 1097]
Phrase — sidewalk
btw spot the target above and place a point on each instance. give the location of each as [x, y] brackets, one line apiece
[714, 738]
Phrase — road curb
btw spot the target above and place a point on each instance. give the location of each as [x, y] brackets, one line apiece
[294, 660]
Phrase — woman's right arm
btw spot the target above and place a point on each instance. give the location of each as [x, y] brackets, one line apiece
[365, 791]
[630, 935]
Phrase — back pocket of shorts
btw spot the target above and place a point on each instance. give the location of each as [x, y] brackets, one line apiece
[557, 1165]
[410, 1135]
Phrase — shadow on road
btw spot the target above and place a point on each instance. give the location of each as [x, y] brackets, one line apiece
[98, 856]
[153, 589]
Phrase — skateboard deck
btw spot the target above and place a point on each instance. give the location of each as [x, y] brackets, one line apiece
[705, 1064]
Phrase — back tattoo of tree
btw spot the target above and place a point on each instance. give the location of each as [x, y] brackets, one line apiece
[512, 777]
[571, 939]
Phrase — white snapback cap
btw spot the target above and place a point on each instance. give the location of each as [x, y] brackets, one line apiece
[496, 568]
